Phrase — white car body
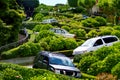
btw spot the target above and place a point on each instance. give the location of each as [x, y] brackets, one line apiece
[95, 43]
[49, 21]
[62, 32]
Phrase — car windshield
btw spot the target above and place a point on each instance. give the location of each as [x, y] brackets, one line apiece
[88, 43]
[61, 61]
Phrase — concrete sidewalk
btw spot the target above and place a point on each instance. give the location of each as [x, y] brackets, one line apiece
[22, 61]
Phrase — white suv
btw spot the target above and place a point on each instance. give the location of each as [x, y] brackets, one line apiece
[95, 43]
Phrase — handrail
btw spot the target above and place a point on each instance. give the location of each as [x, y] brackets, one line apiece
[15, 44]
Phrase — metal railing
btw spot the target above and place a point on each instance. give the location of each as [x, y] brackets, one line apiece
[15, 44]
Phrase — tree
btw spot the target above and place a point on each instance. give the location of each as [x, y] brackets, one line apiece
[73, 3]
[88, 4]
[111, 8]
[10, 20]
[29, 6]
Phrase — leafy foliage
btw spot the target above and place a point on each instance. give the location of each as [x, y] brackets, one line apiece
[102, 60]
[27, 49]
[16, 72]
[43, 34]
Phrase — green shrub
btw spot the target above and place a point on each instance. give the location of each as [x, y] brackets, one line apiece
[27, 49]
[116, 70]
[104, 52]
[80, 33]
[44, 45]
[43, 34]
[85, 63]
[57, 44]
[77, 58]
[23, 73]
[80, 42]
[102, 21]
[45, 76]
[10, 74]
[116, 32]
[70, 44]
[38, 28]
[104, 66]
[38, 17]
[117, 46]
[110, 61]
[96, 68]
[90, 22]
[105, 31]
[117, 27]
[92, 33]
[66, 28]
[10, 53]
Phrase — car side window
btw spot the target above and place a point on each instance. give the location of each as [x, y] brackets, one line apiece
[98, 42]
[62, 32]
[58, 31]
[110, 39]
[45, 59]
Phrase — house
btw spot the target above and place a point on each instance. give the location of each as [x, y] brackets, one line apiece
[95, 8]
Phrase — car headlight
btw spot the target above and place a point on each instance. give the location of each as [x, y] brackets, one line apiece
[57, 71]
[78, 75]
[52, 69]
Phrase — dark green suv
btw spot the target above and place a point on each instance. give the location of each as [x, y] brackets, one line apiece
[56, 62]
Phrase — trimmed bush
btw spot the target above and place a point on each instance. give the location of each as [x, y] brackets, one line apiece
[38, 17]
[45, 76]
[40, 27]
[102, 21]
[10, 74]
[116, 32]
[11, 71]
[92, 33]
[27, 49]
[105, 31]
[96, 68]
[77, 58]
[85, 63]
[90, 22]
[70, 44]
[116, 70]
[43, 34]
[111, 60]
[94, 22]
[57, 44]
[80, 33]
[103, 52]
[104, 66]
[66, 28]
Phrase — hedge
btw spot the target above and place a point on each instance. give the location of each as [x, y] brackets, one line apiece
[16, 72]
[100, 61]
[116, 70]
[27, 49]
[40, 27]
[85, 63]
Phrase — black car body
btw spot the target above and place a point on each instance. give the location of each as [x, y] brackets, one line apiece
[56, 62]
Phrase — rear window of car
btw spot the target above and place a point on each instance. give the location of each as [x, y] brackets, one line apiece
[110, 39]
